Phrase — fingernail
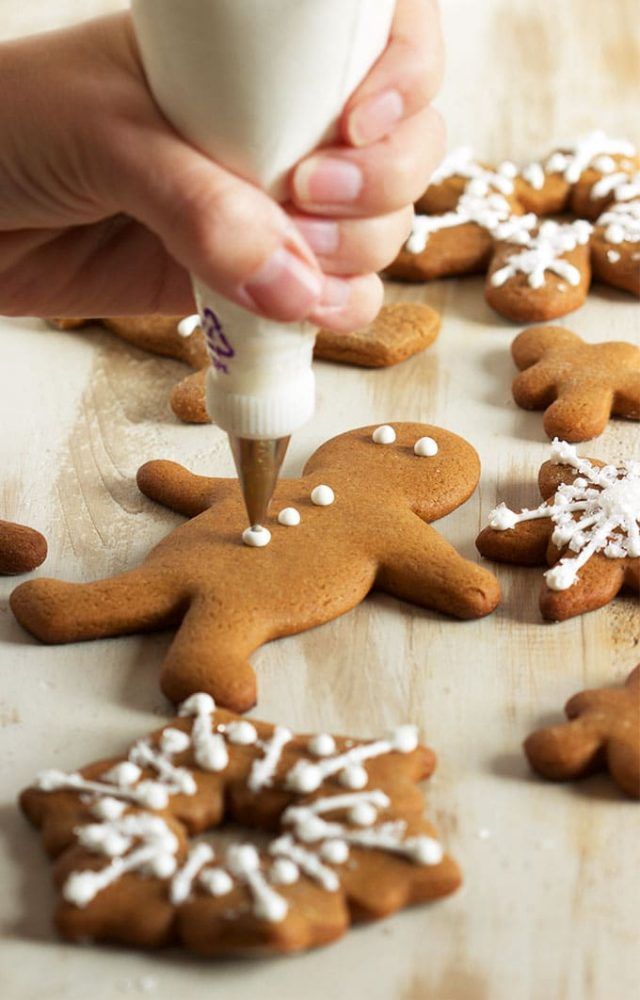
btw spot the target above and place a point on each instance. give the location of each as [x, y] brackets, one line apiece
[321, 180]
[374, 118]
[335, 294]
[322, 235]
[284, 286]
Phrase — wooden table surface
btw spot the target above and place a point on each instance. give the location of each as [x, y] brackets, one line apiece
[550, 907]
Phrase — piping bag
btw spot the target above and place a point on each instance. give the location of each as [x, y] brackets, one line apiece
[257, 85]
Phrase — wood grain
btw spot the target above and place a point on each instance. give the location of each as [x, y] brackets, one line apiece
[550, 907]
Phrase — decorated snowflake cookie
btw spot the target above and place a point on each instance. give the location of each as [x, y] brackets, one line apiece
[364, 520]
[342, 836]
[587, 530]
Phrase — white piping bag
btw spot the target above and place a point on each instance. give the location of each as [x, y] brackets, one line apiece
[257, 85]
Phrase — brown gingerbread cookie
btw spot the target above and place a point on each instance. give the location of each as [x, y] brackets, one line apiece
[21, 549]
[603, 733]
[398, 332]
[343, 838]
[615, 245]
[358, 519]
[587, 530]
[579, 385]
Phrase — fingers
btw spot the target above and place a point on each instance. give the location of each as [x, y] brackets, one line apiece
[364, 300]
[404, 80]
[384, 177]
[355, 246]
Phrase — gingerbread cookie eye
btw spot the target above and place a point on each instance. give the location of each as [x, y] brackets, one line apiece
[369, 846]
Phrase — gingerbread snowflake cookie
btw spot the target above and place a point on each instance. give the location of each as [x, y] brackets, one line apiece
[22, 549]
[587, 530]
[602, 732]
[358, 518]
[579, 385]
[342, 839]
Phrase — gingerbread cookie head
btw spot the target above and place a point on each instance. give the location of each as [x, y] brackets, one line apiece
[587, 530]
[602, 732]
[354, 521]
[346, 840]
[579, 385]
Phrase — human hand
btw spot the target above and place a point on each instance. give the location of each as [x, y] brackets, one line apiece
[104, 209]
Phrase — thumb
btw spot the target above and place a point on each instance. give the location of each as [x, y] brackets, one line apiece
[224, 230]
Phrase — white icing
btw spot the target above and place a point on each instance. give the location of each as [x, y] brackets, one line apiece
[516, 229]
[460, 162]
[151, 794]
[284, 872]
[613, 256]
[256, 537]
[485, 211]
[321, 745]
[534, 175]
[209, 748]
[575, 157]
[216, 881]
[604, 164]
[177, 780]
[621, 222]
[263, 770]
[322, 496]
[363, 814]
[183, 880]
[598, 512]
[188, 326]
[336, 852]
[544, 253]
[306, 861]
[241, 733]
[108, 808]
[289, 517]
[353, 776]
[620, 185]
[243, 862]
[425, 447]
[384, 435]
[306, 776]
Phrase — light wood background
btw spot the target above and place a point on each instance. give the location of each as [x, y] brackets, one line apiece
[550, 908]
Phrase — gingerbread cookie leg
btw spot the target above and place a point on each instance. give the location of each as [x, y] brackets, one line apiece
[599, 580]
[175, 487]
[214, 660]
[576, 416]
[564, 751]
[57, 612]
[429, 572]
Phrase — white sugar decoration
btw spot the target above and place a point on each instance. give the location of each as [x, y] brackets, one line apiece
[544, 252]
[182, 881]
[621, 222]
[534, 175]
[575, 157]
[307, 776]
[150, 794]
[289, 517]
[306, 861]
[263, 770]
[155, 854]
[322, 496]
[188, 326]
[256, 537]
[485, 211]
[461, 162]
[243, 862]
[621, 185]
[598, 512]
[241, 734]
[384, 435]
[425, 447]
[209, 748]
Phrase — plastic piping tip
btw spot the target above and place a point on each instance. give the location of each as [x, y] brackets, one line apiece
[258, 465]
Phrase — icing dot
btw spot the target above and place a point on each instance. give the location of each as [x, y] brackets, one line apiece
[425, 447]
[426, 851]
[241, 733]
[124, 774]
[284, 872]
[383, 435]
[321, 745]
[188, 326]
[353, 776]
[304, 777]
[363, 814]
[405, 738]
[322, 496]
[310, 828]
[242, 858]
[152, 794]
[256, 537]
[216, 881]
[198, 704]
[289, 517]
[108, 808]
[174, 741]
[335, 852]
[163, 866]
[501, 519]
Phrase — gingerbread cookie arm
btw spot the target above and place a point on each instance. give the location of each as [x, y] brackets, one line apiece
[175, 487]
[210, 653]
[568, 750]
[531, 345]
[580, 412]
[21, 549]
[58, 612]
[428, 571]
[524, 545]
[626, 400]
[598, 582]
[555, 474]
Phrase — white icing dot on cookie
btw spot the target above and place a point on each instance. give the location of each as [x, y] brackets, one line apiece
[335, 852]
[425, 447]
[354, 776]
[216, 881]
[284, 872]
[289, 517]
[188, 326]
[242, 734]
[322, 496]
[384, 435]
[363, 814]
[256, 537]
[322, 745]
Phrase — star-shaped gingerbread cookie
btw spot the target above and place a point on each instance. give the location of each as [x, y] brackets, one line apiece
[343, 836]
[358, 519]
[603, 733]
[579, 385]
[587, 530]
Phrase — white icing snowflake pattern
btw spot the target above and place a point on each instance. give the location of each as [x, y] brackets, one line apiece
[544, 252]
[598, 512]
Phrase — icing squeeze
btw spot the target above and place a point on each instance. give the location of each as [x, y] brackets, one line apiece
[598, 512]
[143, 843]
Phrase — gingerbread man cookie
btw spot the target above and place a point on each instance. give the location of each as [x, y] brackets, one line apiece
[21, 549]
[579, 385]
[346, 838]
[358, 519]
[603, 732]
[398, 332]
[587, 530]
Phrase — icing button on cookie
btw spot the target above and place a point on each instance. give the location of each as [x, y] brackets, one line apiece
[384, 435]
[322, 496]
[289, 517]
[256, 537]
[425, 447]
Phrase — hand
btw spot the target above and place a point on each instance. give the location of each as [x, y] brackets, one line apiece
[104, 209]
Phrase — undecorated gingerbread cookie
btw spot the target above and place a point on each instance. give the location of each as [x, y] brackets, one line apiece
[603, 733]
[398, 332]
[365, 508]
[587, 530]
[21, 548]
[343, 837]
[579, 385]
